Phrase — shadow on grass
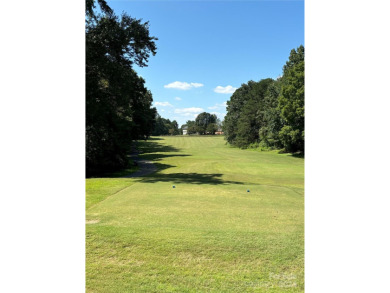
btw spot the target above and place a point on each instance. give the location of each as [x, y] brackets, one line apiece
[188, 178]
[157, 157]
[151, 146]
[295, 155]
[155, 138]
[115, 174]
[298, 155]
[151, 150]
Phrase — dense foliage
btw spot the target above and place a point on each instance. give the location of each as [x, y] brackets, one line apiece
[205, 123]
[118, 105]
[292, 102]
[270, 113]
[191, 127]
[165, 127]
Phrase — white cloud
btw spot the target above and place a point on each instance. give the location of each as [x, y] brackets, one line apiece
[190, 113]
[195, 84]
[178, 99]
[213, 107]
[186, 111]
[225, 90]
[163, 104]
[182, 85]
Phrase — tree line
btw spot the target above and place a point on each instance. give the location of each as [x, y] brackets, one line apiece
[118, 105]
[270, 113]
[204, 123]
[165, 127]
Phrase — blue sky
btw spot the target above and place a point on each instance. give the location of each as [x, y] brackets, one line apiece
[207, 49]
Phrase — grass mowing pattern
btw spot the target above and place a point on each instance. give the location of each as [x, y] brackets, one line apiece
[206, 235]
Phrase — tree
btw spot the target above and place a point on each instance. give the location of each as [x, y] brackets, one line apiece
[175, 127]
[191, 127]
[165, 126]
[211, 128]
[252, 117]
[219, 123]
[272, 121]
[269, 112]
[292, 102]
[118, 106]
[90, 6]
[234, 109]
[203, 120]
[160, 127]
[246, 113]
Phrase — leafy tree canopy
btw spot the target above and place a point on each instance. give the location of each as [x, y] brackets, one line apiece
[270, 113]
[165, 127]
[203, 120]
[292, 102]
[245, 113]
[118, 105]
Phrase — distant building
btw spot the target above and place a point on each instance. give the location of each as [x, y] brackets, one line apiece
[185, 130]
[219, 131]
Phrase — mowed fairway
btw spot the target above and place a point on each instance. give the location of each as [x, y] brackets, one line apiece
[208, 234]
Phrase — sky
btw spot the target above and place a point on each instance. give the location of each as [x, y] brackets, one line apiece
[207, 49]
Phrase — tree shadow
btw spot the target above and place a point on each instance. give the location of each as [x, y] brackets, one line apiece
[298, 155]
[188, 178]
[155, 151]
[161, 167]
[157, 157]
[148, 147]
[151, 150]
[155, 138]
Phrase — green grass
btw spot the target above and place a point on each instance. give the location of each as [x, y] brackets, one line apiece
[98, 189]
[206, 235]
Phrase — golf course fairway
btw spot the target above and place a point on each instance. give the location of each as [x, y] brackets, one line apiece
[212, 219]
